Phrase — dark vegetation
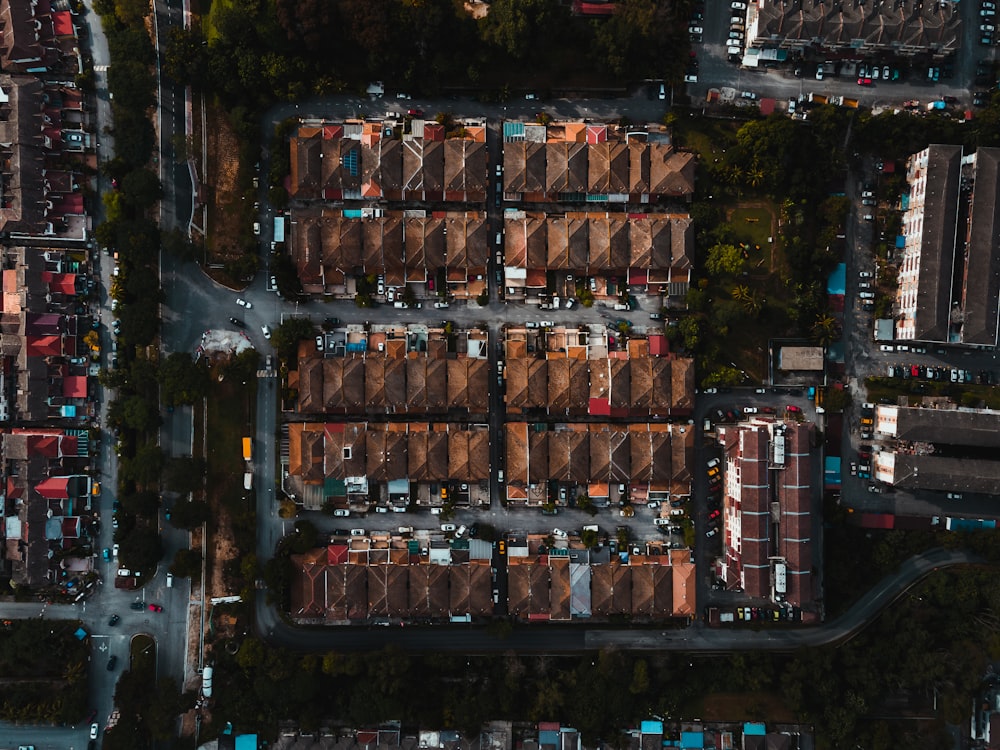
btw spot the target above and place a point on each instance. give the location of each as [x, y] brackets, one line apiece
[44, 669]
[148, 707]
[932, 639]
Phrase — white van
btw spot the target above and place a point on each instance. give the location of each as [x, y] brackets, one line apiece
[661, 521]
[170, 580]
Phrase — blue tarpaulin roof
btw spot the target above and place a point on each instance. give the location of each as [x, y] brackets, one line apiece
[831, 470]
[651, 727]
[693, 740]
[246, 742]
[900, 241]
[754, 728]
[837, 282]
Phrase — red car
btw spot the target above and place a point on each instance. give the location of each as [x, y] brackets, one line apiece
[914, 371]
[793, 408]
[865, 81]
[155, 608]
[713, 515]
[415, 112]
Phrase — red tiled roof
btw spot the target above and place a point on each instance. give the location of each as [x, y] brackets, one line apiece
[75, 386]
[53, 488]
[62, 23]
[336, 554]
[43, 346]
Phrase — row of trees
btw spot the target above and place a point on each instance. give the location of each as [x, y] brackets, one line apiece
[260, 52]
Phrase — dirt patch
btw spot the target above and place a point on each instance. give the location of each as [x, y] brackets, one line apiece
[222, 192]
[746, 707]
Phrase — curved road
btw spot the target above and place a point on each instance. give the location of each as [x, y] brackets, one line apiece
[558, 638]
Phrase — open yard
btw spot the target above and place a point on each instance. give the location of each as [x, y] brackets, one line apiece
[230, 418]
[754, 224]
[747, 707]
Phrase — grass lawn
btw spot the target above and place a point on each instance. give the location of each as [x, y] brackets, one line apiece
[230, 419]
[708, 137]
[752, 224]
[765, 707]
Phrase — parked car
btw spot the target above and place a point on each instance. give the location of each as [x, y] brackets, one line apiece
[115, 619]
[112, 662]
[155, 608]
[266, 331]
[710, 533]
[243, 303]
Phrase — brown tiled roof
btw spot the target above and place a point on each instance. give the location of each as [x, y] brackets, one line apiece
[558, 244]
[413, 165]
[337, 153]
[558, 448]
[579, 387]
[538, 456]
[600, 378]
[437, 384]
[621, 382]
[416, 455]
[682, 382]
[419, 597]
[458, 454]
[684, 583]
[477, 242]
[516, 452]
[662, 243]
[433, 166]
[517, 588]
[437, 455]
[558, 385]
[641, 383]
[458, 381]
[641, 243]
[559, 591]
[638, 167]
[480, 588]
[621, 465]
[397, 595]
[311, 385]
[517, 383]
[682, 458]
[643, 589]
[479, 455]
[306, 151]
[308, 593]
[641, 455]
[354, 382]
[579, 456]
[375, 381]
[671, 172]
[600, 455]
[661, 455]
[460, 590]
[538, 382]
[416, 384]
[378, 590]
[395, 383]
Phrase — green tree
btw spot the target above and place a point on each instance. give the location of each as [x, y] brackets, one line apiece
[141, 550]
[145, 504]
[287, 336]
[724, 260]
[524, 28]
[185, 474]
[144, 467]
[189, 514]
[182, 379]
[187, 563]
[141, 189]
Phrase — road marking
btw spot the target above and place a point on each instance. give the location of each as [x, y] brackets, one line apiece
[101, 68]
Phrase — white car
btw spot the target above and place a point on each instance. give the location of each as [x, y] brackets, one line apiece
[696, 30]
[738, 6]
[819, 72]
[114, 551]
[737, 19]
[559, 534]
[713, 463]
[341, 512]
[987, 27]
[441, 305]
[256, 228]
[266, 331]
[865, 275]
[748, 95]
[243, 303]
[94, 729]
[448, 527]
